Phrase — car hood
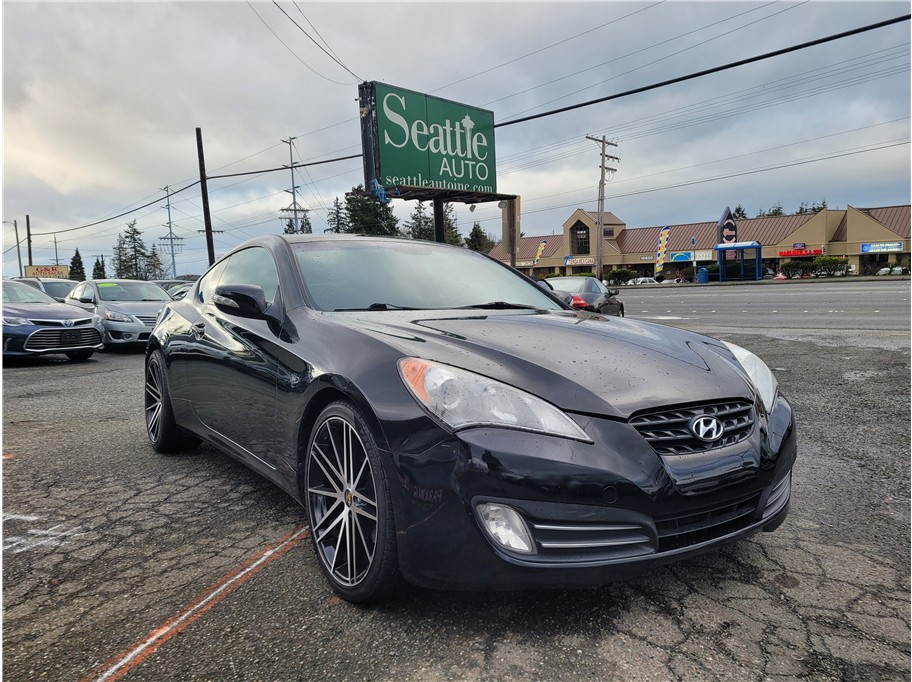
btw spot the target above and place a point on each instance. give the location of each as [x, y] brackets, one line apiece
[581, 362]
[134, 307]
[45, 311]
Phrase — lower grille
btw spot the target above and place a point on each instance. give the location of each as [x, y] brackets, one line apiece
[565, 541]
[696, 527]
[59, 339]
[668, 431]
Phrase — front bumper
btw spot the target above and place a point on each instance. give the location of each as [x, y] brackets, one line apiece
[597, 513]
[27, 340]
[126, 332]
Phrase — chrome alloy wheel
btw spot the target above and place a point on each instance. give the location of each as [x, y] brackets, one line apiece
[342, 501]
[153, 399]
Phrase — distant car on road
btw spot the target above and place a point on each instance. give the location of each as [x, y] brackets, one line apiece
[36, 324]
[588, 293]
[643, 280]
[128, 308]
[56, 288]
[895, 270]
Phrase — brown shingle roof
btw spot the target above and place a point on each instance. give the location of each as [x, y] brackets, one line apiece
[528, 247]
[842, 231]
[769, 230]
[894, 218]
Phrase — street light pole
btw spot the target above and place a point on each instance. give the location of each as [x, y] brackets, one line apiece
[18, 252]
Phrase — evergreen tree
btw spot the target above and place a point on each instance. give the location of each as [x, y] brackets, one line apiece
[306, 227]
[420, 225]
[740, 213]
[77, 270]
[130, 253]
[119, 259]
[336, 220]
[450, 229]
[366, 215]
[98, 270]
[478, 240]
[153, 268]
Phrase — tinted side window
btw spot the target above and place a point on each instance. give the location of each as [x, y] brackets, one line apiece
[252, 266]
[208, 282]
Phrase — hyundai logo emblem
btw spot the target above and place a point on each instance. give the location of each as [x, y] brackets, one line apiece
[706, 428]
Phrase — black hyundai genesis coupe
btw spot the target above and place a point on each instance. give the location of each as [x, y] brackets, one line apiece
[445, 420]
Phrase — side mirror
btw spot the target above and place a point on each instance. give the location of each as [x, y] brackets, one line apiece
[243, 300]
[544, 284]
[89, 299]
[614, 292]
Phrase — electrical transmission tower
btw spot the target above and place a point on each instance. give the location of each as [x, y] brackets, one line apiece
[289, 216]
[171, 243]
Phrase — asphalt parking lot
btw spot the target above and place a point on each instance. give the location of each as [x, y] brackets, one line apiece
[122, 563]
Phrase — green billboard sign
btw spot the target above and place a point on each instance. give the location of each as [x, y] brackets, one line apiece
[413, 140]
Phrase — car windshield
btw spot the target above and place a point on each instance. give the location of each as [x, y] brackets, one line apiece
[377, 275]
[572, 285]
[58, 289]
[131, 291]
[22, 293]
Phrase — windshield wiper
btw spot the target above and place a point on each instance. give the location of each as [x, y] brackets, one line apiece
[498, 305]
[376, 306]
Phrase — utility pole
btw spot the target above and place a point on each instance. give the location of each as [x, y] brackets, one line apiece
[18, 251]
[204, 191]
[294, 209]
[600, 232]
[169, 239]
[56, 259]
[28, 238]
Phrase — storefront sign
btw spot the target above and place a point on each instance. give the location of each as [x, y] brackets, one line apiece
[646, 258]
[681, 256]
[58, 271]
[415, 140]
[705, 255]
[570, 260]
[799, 245]
[798, 253]
[881, 247]
[524, 264]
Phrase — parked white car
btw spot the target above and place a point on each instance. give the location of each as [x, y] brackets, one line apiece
[643, 280]
[895, 270]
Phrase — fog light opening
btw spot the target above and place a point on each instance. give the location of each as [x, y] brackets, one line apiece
[506, 528]
[127, 337]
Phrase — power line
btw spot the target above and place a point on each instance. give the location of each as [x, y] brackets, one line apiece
[301, 29]
[317, 73]
[706, 72]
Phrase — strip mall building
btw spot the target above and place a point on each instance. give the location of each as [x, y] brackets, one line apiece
[869, 237]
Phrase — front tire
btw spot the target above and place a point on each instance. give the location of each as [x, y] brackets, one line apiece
[80, 356]
[348, 505]
[162, 429]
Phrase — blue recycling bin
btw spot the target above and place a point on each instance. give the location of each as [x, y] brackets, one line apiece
[702, 276]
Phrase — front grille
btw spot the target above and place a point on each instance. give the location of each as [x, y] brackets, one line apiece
[58, 339]
[693, 528]
[148, 320]
[668, 431]
[62, 323]
[564, 541]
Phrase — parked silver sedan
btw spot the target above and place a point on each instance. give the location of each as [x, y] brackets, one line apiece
[128, 308]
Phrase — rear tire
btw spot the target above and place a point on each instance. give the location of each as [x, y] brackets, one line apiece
[164, 433]
[346, 493]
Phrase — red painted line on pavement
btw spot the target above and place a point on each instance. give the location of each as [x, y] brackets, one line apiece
[8, 456]
[122, 663]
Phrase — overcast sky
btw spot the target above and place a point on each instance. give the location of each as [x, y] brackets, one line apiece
[101, 102]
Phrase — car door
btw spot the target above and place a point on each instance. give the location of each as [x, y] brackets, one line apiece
[80, 296]
[231, 380]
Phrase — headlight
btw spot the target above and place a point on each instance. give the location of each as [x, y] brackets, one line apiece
[758, 373]
[15, 321]
[114, 316]
[461, 399]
